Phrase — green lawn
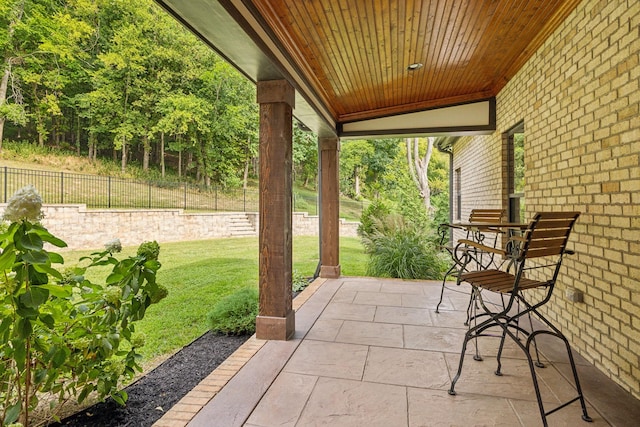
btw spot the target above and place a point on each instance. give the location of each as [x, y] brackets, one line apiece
[199, 273]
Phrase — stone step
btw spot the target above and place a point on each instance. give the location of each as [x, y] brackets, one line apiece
[239, 225]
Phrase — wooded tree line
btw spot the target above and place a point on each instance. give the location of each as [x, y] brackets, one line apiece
[409, 173]
[122, 78]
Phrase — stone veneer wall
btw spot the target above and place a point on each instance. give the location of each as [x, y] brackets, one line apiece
[579, 97]
[81, 228]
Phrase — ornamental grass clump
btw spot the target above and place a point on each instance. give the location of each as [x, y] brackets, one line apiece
[398, 247]
[61, 334]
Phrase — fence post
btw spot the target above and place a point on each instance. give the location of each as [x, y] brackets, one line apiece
[6, 176]
[185, 196]
[109, 192]
[149, 195]
[61, 188]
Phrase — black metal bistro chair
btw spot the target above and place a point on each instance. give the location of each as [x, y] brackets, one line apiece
[461, 258]
[536, 260]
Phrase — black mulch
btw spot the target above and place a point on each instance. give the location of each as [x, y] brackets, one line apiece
[163, 387]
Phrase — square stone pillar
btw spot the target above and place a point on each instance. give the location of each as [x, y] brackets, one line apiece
[329, 207]
[276, 318]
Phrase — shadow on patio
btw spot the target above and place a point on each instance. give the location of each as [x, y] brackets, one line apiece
[373, 352]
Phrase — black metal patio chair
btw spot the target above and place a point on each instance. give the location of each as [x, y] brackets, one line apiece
[536, 260]
[461, 258]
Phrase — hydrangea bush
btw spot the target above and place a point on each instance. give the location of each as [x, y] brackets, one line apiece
[60, 333]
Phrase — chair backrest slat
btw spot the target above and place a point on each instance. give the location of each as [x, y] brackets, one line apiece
[548, 234]
[554, 223]
[536, 253]
[547, 243]
[486, 215]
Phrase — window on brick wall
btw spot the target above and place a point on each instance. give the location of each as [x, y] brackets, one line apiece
[515, 165]
[458, 195]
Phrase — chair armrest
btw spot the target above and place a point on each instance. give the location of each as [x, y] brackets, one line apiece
[479, 247]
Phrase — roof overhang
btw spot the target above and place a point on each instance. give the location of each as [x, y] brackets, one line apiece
[473, 118]
[350, 75]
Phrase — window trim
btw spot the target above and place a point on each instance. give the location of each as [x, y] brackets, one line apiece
[513, 198]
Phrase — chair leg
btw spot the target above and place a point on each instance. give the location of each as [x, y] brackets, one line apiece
[455, 379]
[585, 415]
[536, 387]
[472, 333]
[556, 332]
[498, 371]
[538, 363]
[447, 274]
[471, 309]
[472, 313]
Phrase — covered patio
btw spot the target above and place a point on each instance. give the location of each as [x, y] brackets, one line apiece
[373, 352]
[365, 351]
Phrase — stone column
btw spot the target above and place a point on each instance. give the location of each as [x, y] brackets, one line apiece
[330, 208]
[276, 318]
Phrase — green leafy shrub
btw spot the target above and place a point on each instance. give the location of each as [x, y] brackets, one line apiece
[149, 250]
[59, 333]
[298, 282]
[235, 314]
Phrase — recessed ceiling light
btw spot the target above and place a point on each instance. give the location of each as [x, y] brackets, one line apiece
[414, 66]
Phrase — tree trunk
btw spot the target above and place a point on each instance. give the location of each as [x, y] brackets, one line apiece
[4, 85]
[40, 128]
[245, 177]
[162, 153]
[123, 162]
[247, 159]
[90, 146]
[179, 163]
[146, 153]
[356, 181]
[78, 137]
[418, 168]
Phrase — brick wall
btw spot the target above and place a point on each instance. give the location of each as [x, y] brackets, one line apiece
[579, 97]
[91, 229]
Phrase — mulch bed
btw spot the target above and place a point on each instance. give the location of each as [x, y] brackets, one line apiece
[156, 392]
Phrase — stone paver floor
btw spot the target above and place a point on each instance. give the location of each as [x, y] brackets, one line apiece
[373, 352]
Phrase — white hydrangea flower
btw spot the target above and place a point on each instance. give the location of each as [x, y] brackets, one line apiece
[113, 246]
[25, 205]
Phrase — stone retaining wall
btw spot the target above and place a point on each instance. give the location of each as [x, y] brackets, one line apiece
[83, 228]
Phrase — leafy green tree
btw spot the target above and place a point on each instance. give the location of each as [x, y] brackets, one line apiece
[305, 156]
[377, 164]
[11, 14]
[182, 117]
[352, 167]
[125, 77]
[222, 154]
[38, 40]
[119, 83]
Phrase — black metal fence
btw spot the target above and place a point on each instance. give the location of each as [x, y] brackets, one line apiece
[108, 192]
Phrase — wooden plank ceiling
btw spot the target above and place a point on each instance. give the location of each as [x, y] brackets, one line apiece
[355, 53]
